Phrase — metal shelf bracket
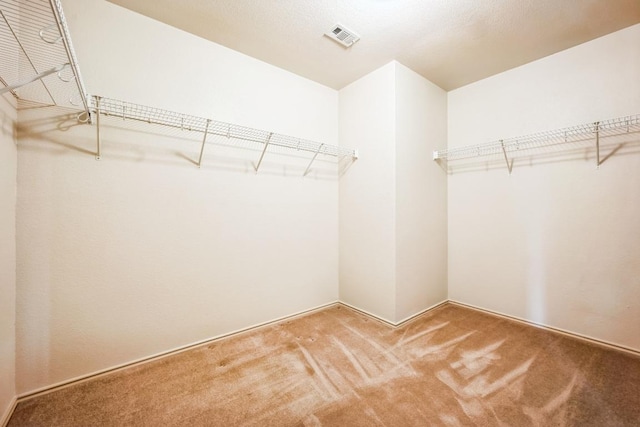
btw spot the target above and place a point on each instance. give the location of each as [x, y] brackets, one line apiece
[204, 139]
[506, 158]
[597, 131]
[38, 76]
[97, 128]
[312, 159]
[264, 150]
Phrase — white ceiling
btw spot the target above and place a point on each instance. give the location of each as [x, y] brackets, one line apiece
[450, 42]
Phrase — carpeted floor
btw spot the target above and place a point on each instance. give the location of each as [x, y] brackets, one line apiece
[452, 366]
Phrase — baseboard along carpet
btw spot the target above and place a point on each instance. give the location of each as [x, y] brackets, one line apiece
[451, 366]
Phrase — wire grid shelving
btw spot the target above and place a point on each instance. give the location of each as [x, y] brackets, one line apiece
[101, 106]
[569, 135]
[45, 69]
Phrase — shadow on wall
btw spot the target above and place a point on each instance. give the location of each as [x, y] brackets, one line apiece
[59, 131]
[8, 126]
[585, 151]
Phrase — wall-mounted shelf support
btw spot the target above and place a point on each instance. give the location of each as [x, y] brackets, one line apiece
[34, 78]
[312, 159]
[98, 128]
[264, 150]
[204, 140]
[506, 158]
[597, 132]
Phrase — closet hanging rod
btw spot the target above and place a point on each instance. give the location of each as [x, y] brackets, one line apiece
[142, 113]
[568, 135]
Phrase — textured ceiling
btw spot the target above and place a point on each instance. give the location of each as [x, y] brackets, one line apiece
[450, 42]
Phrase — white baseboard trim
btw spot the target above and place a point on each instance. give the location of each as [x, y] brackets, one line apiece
[561, 331]
[67, 383]
[82, 378]
[8, 412]
[389, 322]
[421, 312]
[367, 313]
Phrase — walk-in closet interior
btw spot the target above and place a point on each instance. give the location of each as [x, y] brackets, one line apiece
[337, 213]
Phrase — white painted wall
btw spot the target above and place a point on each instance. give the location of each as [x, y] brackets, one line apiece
[367, 194]
[557, 242]
[8, 166]
[393, 200]
[142, 252]
[421, 194]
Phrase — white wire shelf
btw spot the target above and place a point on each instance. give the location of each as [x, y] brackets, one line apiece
[101, 106]
[42, 66]
[570, 135]
[43, 70]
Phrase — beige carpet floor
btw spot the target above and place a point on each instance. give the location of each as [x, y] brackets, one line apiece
[452, 366]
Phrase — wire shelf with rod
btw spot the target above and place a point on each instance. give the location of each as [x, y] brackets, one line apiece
[101, 106]
[554, 138]
[45, 69]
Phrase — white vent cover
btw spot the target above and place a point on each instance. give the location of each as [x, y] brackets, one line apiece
[343, 36]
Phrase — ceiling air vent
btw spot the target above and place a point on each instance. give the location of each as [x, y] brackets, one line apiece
[343, 36]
